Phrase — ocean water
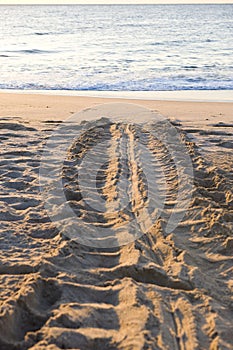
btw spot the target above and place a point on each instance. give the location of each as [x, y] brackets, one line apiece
[117, 48]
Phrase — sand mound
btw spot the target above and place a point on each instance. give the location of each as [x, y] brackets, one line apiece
[162, 291]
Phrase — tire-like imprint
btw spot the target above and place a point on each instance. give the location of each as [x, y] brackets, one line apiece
[161, 291]
[123, 174]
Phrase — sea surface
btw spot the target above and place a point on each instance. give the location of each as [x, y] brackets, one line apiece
[117, 48]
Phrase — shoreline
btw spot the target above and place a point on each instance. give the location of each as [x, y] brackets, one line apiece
[225, 96]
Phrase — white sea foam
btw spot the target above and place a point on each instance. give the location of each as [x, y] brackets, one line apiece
[143, 48]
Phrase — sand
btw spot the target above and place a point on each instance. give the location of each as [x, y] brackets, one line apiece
[164, 290]
[34, 107]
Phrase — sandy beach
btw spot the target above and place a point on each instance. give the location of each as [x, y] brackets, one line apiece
[164, 290]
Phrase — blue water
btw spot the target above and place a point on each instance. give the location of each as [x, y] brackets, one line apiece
[134, 47]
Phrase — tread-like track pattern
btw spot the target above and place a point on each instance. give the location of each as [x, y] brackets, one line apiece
[161, 291]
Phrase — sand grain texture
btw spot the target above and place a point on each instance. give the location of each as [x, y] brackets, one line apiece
[162, 291]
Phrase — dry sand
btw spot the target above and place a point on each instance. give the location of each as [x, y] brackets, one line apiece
[163, 291]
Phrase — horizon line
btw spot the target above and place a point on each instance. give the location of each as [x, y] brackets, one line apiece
[108, 4]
